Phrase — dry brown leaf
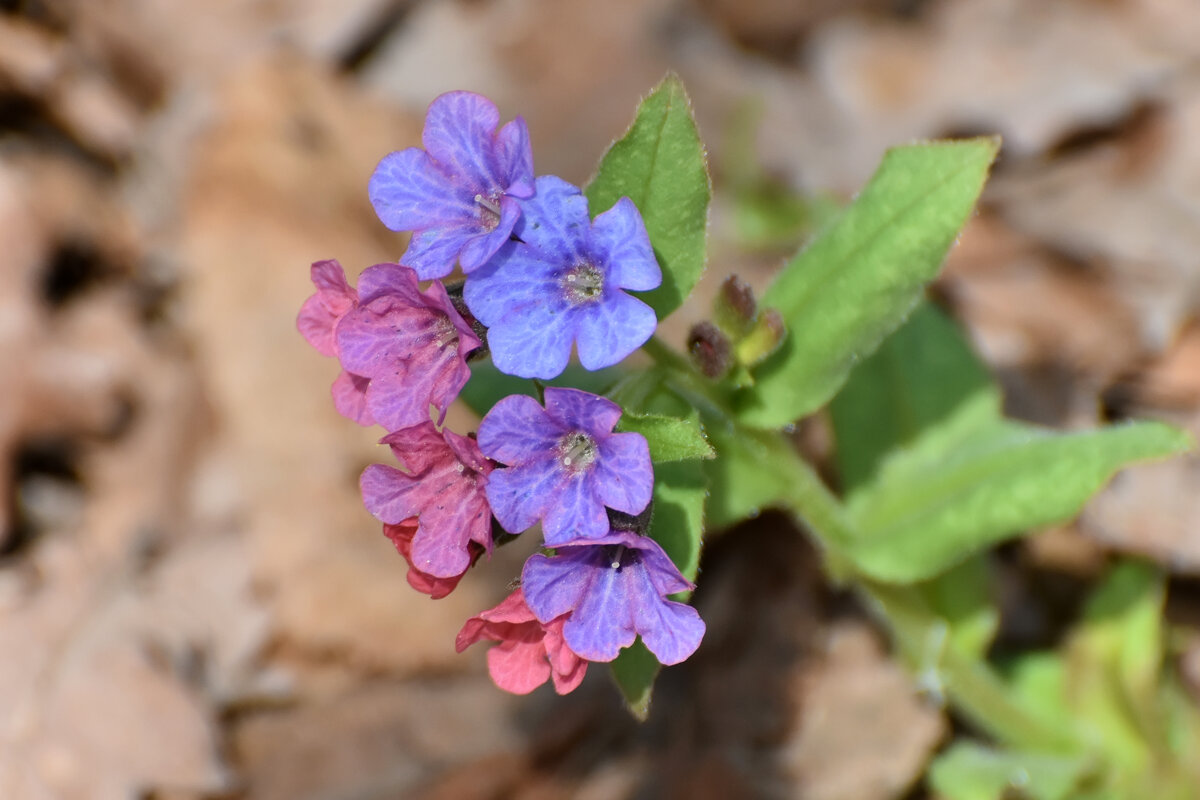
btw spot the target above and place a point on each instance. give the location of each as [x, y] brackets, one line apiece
[863, 734]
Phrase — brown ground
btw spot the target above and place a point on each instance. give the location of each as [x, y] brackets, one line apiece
[194, 605]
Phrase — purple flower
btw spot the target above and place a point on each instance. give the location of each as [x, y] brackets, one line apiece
[406, 347]
[458, 194]
[443, 487]
[615, 589]
[562, 285]
[564, 464]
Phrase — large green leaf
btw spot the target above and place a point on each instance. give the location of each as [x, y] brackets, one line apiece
[660, 165]
[919, 375]
[976, 480]
[859, 279]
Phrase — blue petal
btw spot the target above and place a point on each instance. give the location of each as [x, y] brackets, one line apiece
[619, 241]
[574, 512]
[555, 221]
[603, 621]
[610, 330]
[478, 250]
[623, 474]
[671, 631]
[459, 128]
[519, 495]
[554, 586]
[432, 253]
[409, 193]
[579, 410]
[517, 430]
[515, 155]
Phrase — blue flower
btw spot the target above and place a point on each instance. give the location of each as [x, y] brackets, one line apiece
[561, 285]
[614, 589]
[457, 194]
[564, 464]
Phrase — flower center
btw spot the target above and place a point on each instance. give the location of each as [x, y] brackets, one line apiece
[616, 558]
[443, 332]
[583, 283]
[489, 210]
[577, 451]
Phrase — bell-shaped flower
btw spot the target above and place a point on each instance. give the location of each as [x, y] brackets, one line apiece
[443, 486]
[564, 465]
[409, 347]
[401, 535]
[459, 194]
[614, 589]
[529, 652]
[563, 284]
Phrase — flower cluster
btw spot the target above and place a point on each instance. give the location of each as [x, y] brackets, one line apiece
[541, 279]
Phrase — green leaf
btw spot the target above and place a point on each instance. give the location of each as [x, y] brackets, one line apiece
[976, 480]
[660, 165]
[488, 384]
[969, 771]
[753, 470]
[670, 438]
[634, 670]
[920, 374]
[859, 279]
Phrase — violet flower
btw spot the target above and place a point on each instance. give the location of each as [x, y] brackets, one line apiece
[563, 284]
[529, 652]
[614, 589]
[564, 464]
[408, 348]
[459, 194]
[443, 487]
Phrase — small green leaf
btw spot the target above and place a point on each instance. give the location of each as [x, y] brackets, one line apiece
[752, 472]
[970, 771]
[634, 670]
[660, 165]
[975, 481]
[670, 438]
[860, 278]
[962, 599]
[917, 377]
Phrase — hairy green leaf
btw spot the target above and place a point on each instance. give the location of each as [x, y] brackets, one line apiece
[861, 277]
[670, 438]
[660, 165]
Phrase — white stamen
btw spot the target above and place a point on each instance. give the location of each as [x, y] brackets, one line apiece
[616, 562]
[490, 205]
[567, 461]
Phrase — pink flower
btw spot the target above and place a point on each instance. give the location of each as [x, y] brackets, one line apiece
[410, 346]
[402, 535]
[443, 487]
[528, 652]
[317, 322]
[401, 349]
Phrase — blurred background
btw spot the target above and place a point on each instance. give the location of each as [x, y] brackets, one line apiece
[193, 603]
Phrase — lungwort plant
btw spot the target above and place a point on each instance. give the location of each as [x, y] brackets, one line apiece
[626, 469]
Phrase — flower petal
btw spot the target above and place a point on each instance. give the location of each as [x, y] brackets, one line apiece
[350, 398]
[555, 220]
[575, 513]
[389, 494]
[411, 192]
[620, 242]
[316, 323]
[671, 631]
[517, 430]
[555, 585]
[624, 475]
[459, 128]
[515, 156]
[518, 667]
[603, 622]
[607, 332]
[477, 250]
[387, 278]
[575, 409]
[519, 495]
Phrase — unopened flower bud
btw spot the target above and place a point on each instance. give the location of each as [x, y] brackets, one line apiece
[710, 349]
[735, 307]
[764, 338]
